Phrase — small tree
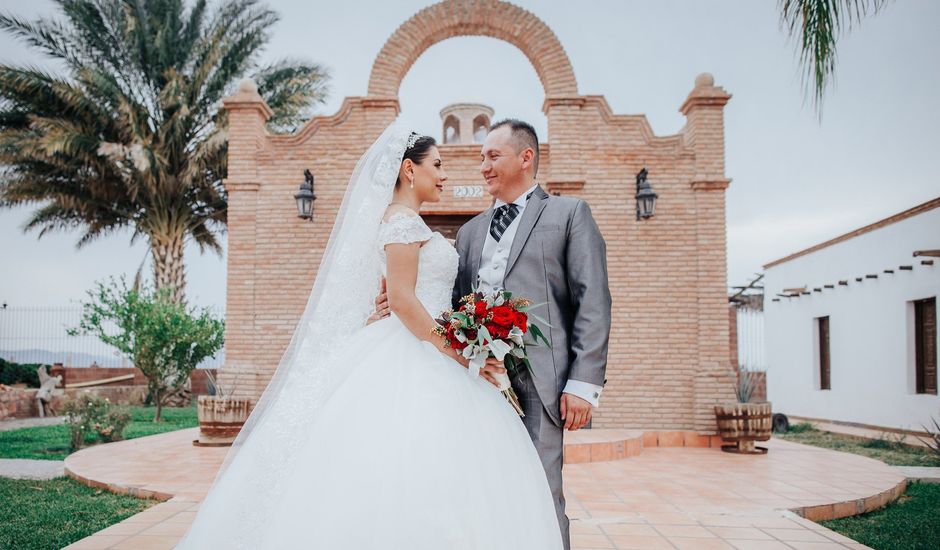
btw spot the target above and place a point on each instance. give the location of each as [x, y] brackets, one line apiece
[163, 338]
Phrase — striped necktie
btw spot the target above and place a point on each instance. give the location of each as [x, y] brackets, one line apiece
[504, 216]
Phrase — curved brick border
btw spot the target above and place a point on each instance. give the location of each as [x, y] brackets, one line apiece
[119, 489]
[491, 18]
[854, 507]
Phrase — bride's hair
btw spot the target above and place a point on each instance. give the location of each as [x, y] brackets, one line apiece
[417, 152]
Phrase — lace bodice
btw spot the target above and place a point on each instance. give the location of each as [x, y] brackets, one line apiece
[437, 260]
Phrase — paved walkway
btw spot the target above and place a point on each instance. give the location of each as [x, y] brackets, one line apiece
[660, 497]
[24, 468]
[17, 423]
[920, 473]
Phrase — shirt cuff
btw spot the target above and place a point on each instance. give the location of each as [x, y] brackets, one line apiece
[589, 392]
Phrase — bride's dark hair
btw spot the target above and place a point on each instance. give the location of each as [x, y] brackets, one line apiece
[417, 152]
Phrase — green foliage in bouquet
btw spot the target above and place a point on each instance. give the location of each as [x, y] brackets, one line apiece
[492, 319]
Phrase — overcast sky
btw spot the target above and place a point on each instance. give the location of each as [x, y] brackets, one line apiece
[796, 181]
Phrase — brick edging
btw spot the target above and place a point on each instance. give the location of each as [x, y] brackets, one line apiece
[853, 507]
[138, 492]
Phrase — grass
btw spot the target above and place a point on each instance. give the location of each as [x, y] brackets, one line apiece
[57, 512]
[52, 442]
[911, 523]
[886, 449]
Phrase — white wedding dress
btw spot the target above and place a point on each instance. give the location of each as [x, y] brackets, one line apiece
[409, 452]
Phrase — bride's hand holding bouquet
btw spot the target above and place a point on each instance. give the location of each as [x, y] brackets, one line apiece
[490, 327]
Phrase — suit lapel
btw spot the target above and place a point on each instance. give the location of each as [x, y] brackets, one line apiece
[529, 216]
[476, 246]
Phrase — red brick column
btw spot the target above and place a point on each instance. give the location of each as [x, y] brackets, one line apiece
[704, 131]
[247, 114]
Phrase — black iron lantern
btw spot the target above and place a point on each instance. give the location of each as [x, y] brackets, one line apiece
[305, 197]
[645, 197]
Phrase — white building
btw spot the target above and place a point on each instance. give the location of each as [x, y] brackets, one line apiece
[850, 325]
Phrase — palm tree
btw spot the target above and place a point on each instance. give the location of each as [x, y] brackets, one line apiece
[132, 136]
[816, 25]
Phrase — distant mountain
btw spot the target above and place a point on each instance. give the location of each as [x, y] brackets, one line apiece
[73, 359]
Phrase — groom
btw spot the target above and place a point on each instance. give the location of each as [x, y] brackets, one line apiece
[547, 249]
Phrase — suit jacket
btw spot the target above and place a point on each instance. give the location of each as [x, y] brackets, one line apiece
[558, 257]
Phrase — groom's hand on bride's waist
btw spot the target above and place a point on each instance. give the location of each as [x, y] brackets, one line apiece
[381, 304]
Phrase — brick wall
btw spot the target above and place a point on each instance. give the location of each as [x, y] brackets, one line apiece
[21, 403]
[669, 359]
[77, 375]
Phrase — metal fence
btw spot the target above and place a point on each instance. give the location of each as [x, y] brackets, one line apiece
[40, 335]
[751, 338]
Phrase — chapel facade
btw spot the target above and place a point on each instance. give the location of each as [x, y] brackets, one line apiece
[669, 360]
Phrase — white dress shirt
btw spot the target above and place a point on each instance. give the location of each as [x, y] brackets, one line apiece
[493, 271]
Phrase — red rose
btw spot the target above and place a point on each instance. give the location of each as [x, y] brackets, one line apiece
[522, 321]
[497, 331]
[480, 310]
[503, 316]
[453, 341]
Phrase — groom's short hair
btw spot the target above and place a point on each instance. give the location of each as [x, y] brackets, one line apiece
[523, 134]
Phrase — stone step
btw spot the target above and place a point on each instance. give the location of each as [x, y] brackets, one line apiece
[607, 444]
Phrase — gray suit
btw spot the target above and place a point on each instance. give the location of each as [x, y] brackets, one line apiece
[558, 257]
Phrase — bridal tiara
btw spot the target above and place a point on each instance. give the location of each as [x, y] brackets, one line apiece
[386, 167]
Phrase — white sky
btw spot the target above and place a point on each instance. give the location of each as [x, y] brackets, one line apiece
[796, 181]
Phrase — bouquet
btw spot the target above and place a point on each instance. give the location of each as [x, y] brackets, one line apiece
[493, 325]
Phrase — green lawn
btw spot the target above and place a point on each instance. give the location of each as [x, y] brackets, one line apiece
[57, 512]
[52, 442]
[885, 449]
[911, 523]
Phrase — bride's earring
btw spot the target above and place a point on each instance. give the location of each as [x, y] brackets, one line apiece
[412, 183]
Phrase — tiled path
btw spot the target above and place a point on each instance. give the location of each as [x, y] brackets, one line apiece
[661, 497]
[24, 468]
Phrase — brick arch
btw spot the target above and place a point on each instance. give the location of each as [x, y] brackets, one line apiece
[492, 18]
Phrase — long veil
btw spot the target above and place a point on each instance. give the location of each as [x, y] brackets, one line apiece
[339, 304]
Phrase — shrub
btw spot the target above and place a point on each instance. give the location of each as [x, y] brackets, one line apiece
[163, 338]
[111, 427]
[801, 427]
[89, 414]
[885, 441]
[19, 373]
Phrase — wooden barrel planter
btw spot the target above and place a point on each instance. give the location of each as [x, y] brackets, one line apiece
[220, 419]
[744, 423]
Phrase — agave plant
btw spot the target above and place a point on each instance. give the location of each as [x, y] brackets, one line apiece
[934, 443]
[816, 25]
[747, 383]
[217, 388]
[131, 135]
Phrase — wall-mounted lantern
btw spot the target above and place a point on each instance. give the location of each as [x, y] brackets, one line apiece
[305, 197]
[645, 197]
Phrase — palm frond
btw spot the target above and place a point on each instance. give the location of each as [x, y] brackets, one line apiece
[817, 25]
[292, 89]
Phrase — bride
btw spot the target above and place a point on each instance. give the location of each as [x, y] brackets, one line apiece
[374, 435]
